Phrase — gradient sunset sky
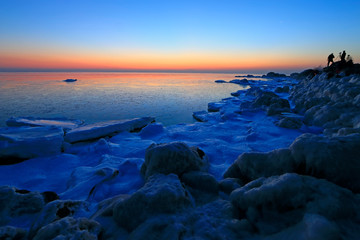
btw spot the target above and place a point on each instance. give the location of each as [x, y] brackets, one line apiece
[227, 36]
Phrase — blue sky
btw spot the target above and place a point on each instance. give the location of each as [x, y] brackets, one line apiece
[221, 35]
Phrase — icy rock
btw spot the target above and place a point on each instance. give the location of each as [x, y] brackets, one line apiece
[15, 203]
[151, 130]
[162, 194]
[336, 159]
[70, 228]
[254, 91]
[102, 129]
[284, 89]
[158, 228]
[250, 166]
[64, 123]
[201, 181]
[276, 203]
[228, 185]
[215, 106]
[9, 232]
[59, 209]
[220, 81]
[240, 82]
[214, 220]
[175, 157]
[204, 116]
[312, 227]
[290, 122]
[29, 142]
[265, 99]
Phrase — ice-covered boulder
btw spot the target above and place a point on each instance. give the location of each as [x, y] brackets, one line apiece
[59, 209]
[16, 203]
[102, 129]
[290, 122]
[201, 181]
[336, 159]
[284, 89]
[175, 157]
[9, 232]
[215, 106]
[64, 123]
[278, 203]
[250, 166]
[29, 142]
[162, 194]
[204, 116]
[152, 130]
[243, 81]
[70, 228]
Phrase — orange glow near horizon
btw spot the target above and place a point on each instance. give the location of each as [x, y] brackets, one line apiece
[153, 61]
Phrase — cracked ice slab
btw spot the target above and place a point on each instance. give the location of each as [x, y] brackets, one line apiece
[108, 128]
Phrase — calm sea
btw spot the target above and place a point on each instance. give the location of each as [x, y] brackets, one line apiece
[98, 96]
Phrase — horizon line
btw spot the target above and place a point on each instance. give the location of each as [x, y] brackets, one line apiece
[255, 71]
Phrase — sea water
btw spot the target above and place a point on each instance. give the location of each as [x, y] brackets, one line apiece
[99, 96]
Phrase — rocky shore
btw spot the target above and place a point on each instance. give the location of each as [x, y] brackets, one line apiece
[279, 160]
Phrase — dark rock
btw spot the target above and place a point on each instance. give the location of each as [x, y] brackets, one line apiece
[228, 185]
[15, 203]
[201, 181]
[250, 166]
[289, 122]
[220, 81]
[70, 228]
[336, 159]
[274, 204]
[59, 209]
[174, 157]
[9, 233]
[161, 195]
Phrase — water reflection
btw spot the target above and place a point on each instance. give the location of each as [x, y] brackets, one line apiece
[169, 97]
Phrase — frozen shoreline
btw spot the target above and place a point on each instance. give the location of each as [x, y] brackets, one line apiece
[118, 186]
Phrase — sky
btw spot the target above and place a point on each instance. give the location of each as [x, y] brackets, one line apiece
[155, 35]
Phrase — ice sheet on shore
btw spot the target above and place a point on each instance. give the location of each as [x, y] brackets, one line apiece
[29, 142]
[102, 129]
[65, 123]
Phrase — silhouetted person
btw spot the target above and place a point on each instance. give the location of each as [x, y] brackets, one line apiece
[343, 55]
[349, 59]
[331, 59]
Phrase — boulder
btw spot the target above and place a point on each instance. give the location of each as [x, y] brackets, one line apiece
[19, 143]
[70, 228]
[9, 232]
[215, 106]
[162, 194]
[290, 122]
[240, 82]
[336, 159]
[175, 157]
[103, 129]
[16, 203]
[220, 81]
[57, 210]
[250, 166]
[201, 181]
[274, 204]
